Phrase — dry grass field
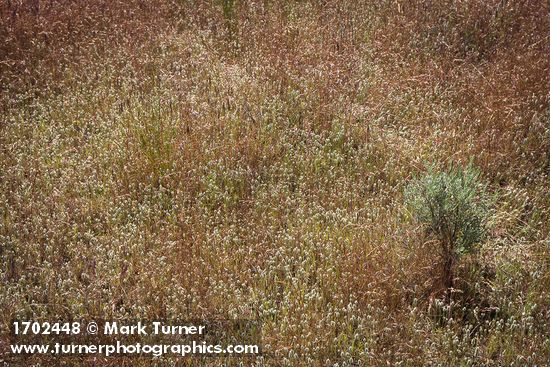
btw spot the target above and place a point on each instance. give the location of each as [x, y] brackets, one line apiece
[268, 160]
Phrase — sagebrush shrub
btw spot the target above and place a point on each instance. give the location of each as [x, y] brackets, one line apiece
[454, 207]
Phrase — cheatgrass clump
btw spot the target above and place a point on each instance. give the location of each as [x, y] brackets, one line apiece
[454, 206]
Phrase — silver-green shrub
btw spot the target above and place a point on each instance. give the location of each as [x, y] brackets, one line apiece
[454, 206]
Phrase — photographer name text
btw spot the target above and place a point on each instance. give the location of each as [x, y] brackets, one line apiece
[156, 328]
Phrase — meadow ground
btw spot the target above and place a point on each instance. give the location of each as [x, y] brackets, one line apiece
[250, 160]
